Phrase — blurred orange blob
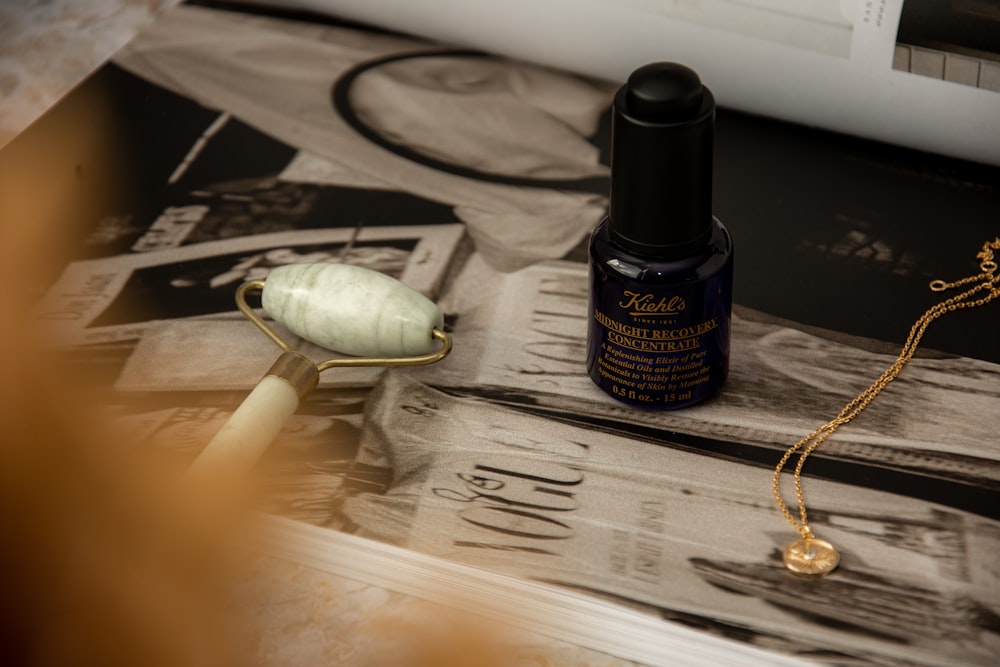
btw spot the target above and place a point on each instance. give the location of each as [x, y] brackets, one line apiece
[102, 564]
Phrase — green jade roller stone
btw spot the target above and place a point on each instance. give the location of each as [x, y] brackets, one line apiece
[352, 310]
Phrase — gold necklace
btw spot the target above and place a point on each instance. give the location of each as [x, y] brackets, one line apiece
[815, 557]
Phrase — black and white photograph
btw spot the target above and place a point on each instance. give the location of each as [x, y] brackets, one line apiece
[99, 296]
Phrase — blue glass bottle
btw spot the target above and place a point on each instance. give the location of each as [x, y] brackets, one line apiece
[661, 266]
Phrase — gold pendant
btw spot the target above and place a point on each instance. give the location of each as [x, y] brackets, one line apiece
[811, 557]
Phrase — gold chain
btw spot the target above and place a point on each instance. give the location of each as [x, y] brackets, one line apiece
[812, 556]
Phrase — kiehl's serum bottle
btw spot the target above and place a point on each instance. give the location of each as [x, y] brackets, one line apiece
[661, 266]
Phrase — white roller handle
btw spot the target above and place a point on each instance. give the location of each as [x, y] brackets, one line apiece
[259, 418]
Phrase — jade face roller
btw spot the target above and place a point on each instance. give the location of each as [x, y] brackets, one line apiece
[347, 309]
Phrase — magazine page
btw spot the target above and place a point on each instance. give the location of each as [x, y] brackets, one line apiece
[355, 622]
[477, 181]
[519, 464]
[918, 73]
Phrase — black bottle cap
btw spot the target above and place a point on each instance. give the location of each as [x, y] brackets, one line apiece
[661, 161]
